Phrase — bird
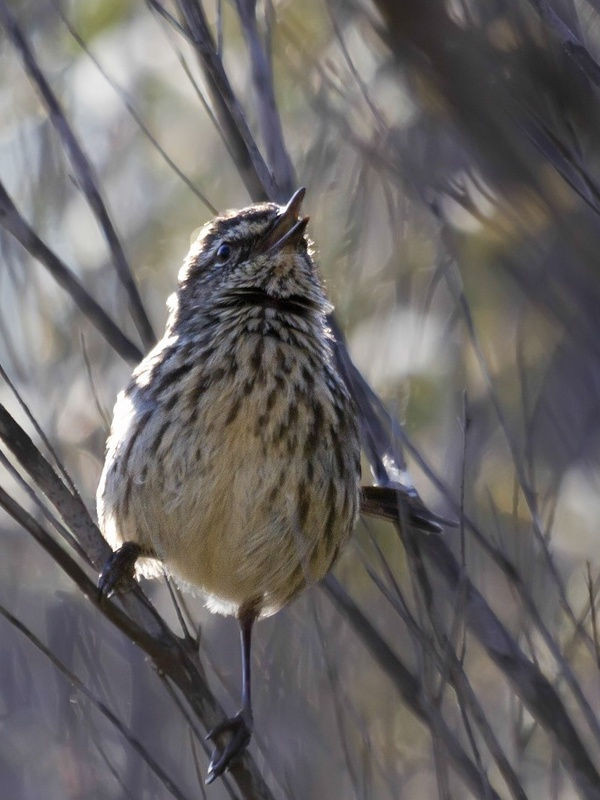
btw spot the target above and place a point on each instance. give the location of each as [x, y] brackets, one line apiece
[233, 460]
[234, 456]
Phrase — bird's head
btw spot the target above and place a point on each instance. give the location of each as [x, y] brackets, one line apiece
[261, 248]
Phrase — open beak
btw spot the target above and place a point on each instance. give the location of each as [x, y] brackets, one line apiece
[287, 229]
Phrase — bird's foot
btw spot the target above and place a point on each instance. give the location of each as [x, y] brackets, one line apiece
[118, 569]
[241, 731]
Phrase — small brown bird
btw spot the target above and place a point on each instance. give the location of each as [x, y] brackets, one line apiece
[234, 455]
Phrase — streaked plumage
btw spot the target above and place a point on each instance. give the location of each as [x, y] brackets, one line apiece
[234, 452]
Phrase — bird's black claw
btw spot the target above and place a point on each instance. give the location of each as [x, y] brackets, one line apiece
[118, 569]
[222, 757]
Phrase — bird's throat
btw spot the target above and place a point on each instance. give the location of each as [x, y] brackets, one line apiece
[296, 304]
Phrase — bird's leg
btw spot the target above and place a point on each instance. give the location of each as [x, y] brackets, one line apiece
[119, 568]
[238, 727]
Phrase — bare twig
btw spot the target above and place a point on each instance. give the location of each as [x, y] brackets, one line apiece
[169, 653]
[99, 408]
[515, 579]
[448, 662]
[83, 170]
[568, 40]
[250, 163]
[165, 779]
[338, 705]
[15, 224]
[262, 76]
[62, 530]
[531, 500]
[529, 683]
[377, 115]
[134, 113]
[68, 504]
[592, 603]
[408, 686]
[38, 429]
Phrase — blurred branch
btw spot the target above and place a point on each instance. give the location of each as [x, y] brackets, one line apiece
[592, 603]
[560, 299]
[15, 224]
[37, 501]
[83, 169]
[568, 41]
[133, 112]
[268, 113]
[102, 413]
[538, 694]
[174, 657]
[179, 31]
[528, 492]
[377, 115]
[409, 687]
[456, 64]
[168, 783]
[67, 503]
[513, 576]
[37, 427]
[479, 101]
[339, 704]
[107, 762]
[448, 664]
[252, 168]
[68, 564]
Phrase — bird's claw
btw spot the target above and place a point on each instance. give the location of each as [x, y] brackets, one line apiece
[221, 758]
[118, 569]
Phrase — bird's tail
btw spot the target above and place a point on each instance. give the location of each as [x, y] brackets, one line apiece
[399, 504]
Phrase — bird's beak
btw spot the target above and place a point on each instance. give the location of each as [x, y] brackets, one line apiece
[287, 229]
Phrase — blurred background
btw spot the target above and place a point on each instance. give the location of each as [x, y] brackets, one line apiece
[451, 155]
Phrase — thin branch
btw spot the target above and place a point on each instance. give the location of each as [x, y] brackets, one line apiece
[199, 776]
[531, 500]
[107, 762]
[134, 113]
[338, 704]
[572, 46]
[514, 578]
[15, 224]
[38, 429]
[68, 504]
[167, 782]
[377, 115]
[538, 694]
[252, 168]
[592, 604]
[83, 170]
[99, 408]
[268, 113]
[466, 694]
[64, 532]
[409, 687]
[168, 652]
[162, 12]
[193, 640]
[540, 697]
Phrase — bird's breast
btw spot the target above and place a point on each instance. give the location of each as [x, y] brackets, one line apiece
[252, 483]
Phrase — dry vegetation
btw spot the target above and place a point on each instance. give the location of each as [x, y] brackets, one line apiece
[451, 154]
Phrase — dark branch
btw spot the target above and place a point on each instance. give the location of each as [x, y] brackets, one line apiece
[83, 170]
[15, 224]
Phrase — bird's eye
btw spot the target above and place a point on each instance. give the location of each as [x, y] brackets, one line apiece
[223, 253]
